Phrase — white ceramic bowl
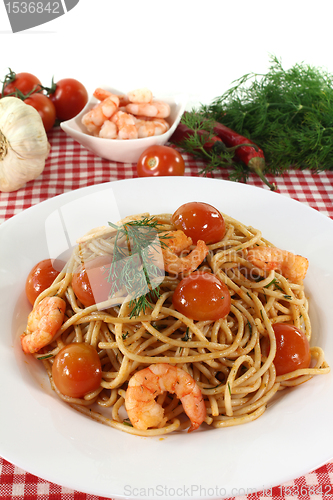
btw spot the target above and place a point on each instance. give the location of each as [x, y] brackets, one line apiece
[124, 151]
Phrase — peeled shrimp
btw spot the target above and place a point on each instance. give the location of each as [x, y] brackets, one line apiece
[140, 95]
[153, 109]
[102, 94]
[175, 242]
[95, 118]
[43, 323]
[293, 267]
[132, 116]
[154, 126]
[125, 124]
[146, 384]
[108, 130]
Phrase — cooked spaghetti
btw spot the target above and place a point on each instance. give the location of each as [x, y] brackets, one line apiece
[231, 359]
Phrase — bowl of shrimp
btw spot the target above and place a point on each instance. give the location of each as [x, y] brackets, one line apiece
[120, 126]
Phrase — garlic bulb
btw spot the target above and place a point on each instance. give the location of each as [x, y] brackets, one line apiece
[23, 144]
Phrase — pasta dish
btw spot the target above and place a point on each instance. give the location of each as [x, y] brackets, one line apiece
[184, 329]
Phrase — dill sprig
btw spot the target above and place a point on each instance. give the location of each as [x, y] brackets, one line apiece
[287, 113]
[196, 145]
[133, 267]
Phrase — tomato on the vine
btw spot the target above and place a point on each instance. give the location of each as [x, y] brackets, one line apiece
[45, 108]
[41, 277]
[292, 349]
[77, 370]
[90, 283]
[160, 160]
[202, 296]
[24, 82]
[69, 98]
[200, 221]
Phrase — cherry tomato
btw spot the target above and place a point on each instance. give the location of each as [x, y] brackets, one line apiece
[292, 349]
[202, 296]
[41, 277]
[25, 82]
[90, 283]
[200, 221]
[69, 98]
[77, 370]
[160, 160]
[45, 108]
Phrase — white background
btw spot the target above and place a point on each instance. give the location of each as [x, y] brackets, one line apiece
[193, 46]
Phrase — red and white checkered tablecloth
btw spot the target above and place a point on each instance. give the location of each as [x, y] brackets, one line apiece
[68, 167]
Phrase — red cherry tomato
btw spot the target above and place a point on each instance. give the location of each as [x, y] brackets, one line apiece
[160, 160]
[202, 296]
[77, 370]
[25, 82]
[200, 221]
[69, 98]
[41, 277]
[45, 108]
[90, 283]
[292, 349]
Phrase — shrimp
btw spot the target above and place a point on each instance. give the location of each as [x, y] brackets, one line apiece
[140, 95]
[293, 267]
[146, 384]
[102, 94]
[95, 118]
[149, 127]
[153, 109]
[108, 130]
[175, 242]
[43, 323]
[123, 111]
[126, 125]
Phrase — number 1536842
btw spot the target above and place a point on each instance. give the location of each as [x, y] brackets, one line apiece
[33, 7]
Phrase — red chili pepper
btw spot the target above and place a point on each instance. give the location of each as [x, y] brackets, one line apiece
[252, 156]
[244, 149]
[182, 132]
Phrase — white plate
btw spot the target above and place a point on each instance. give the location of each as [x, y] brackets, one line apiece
[121, 150]
[42, 435]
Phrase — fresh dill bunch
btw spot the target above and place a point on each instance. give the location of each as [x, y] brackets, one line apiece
[287, 113]
[133, 267]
